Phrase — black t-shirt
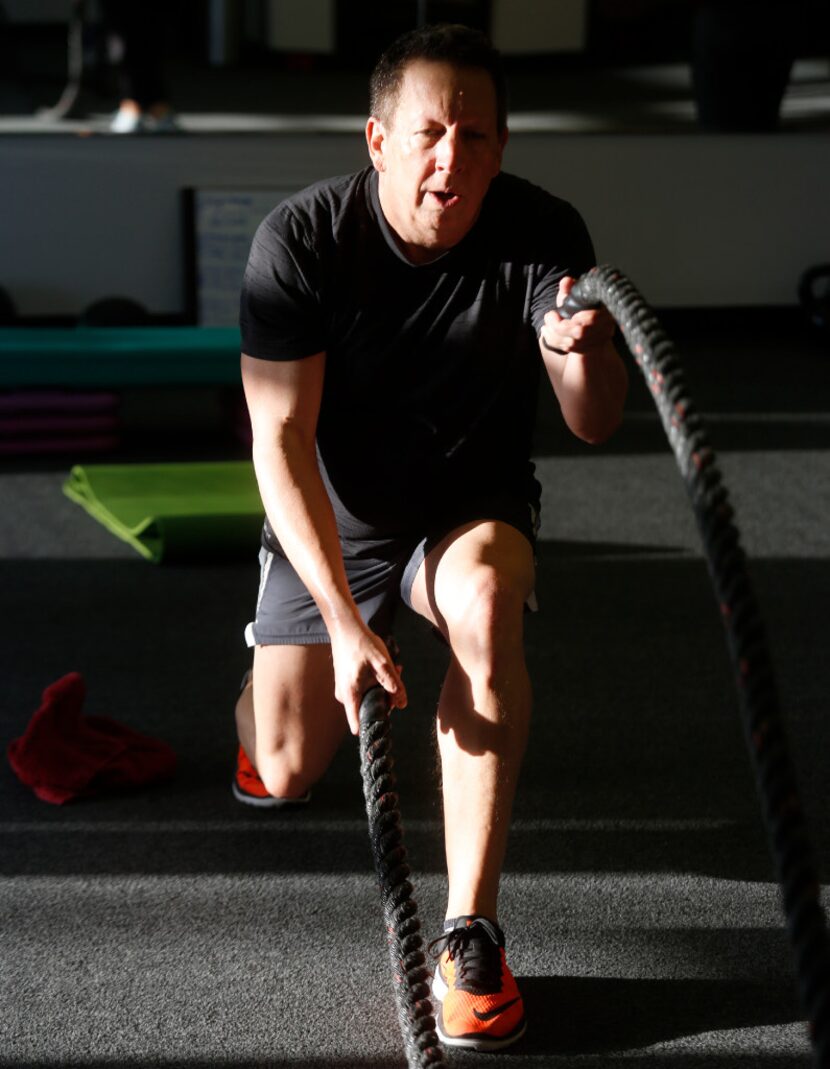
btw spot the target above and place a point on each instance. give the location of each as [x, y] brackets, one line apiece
[432, 369]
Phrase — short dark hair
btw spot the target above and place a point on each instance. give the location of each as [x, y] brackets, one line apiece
[459, 45]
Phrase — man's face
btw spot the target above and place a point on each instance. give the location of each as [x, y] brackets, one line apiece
[437, 155]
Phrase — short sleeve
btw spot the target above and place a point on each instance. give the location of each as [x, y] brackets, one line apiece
[568, 251]
[280, 314]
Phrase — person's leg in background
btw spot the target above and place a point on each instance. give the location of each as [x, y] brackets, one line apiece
[140, 30]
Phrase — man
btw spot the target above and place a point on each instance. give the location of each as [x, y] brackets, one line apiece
[392, 325]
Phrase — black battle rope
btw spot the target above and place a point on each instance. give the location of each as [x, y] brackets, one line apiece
[757, 692]
[403, 929]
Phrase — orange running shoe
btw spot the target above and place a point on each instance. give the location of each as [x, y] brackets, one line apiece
[478, 1003]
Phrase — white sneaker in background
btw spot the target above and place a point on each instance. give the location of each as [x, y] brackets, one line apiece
[127, 121]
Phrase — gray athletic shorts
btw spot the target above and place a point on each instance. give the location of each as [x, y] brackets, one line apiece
[380, 575]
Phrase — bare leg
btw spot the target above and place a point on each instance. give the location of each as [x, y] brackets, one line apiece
[287, 718]
[473, 586]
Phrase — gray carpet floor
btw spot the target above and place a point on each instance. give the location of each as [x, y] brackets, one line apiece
[172, 927]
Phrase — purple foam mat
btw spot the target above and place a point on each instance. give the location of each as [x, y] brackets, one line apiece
[57, 401]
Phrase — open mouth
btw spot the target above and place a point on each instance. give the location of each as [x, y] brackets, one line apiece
[446, 198]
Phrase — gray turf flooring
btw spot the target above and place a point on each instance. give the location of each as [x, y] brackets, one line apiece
[173, 928]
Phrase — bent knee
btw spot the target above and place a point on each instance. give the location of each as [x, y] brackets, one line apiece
[284, 770]
[291, 762]
[485, 621]
[485, 598]
[281, 780]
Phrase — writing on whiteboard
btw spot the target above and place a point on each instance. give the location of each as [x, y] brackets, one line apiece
[224, 224]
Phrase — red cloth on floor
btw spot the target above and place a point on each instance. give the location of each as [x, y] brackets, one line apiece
[64, 754]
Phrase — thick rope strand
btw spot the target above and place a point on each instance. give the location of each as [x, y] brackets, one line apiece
[755, 683]
[410, 975]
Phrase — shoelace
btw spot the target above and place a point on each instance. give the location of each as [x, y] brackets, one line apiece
[475, 950]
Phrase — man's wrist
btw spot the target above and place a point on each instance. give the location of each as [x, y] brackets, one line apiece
[341, 618]
[552, 348]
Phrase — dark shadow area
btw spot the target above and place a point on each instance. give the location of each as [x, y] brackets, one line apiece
[643, 434]
[571, 549]
[725, 357]
[59, 847]
[607, 80]
[636, 722]
[592, 1024]
[593, 1016]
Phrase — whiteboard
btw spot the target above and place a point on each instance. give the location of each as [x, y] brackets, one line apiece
[221, 226]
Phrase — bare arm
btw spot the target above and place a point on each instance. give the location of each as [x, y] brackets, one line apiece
[588, 376]
[284, 402]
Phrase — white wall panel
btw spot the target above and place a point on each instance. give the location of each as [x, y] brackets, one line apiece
[695, 220]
